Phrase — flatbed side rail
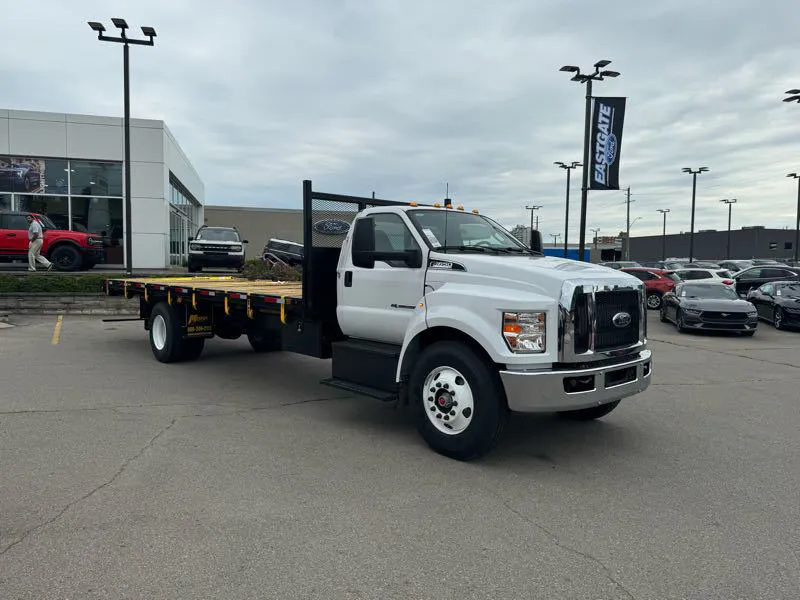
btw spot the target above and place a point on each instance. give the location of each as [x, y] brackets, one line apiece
[228, 292]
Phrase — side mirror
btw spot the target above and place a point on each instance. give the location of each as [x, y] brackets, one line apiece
[191, 239]
[245, 241]
[536, 241]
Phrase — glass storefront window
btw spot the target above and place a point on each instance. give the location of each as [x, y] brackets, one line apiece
[95, 178]
[21, 174]
[55, 207]
[5, 201]
[55, 176]
[102, 216]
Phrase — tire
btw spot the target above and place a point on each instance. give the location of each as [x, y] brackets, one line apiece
[263, 341]
[679, 324]
[778, 318]
[192, 349]
[589, 414]
[654, 301]
[165, 336]
[477, 427]
[662, 315]
[66, 258]
[194, 269]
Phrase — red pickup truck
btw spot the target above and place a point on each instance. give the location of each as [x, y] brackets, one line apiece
[67, 250]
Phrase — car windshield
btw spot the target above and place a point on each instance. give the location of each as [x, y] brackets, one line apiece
[212, 234]
[449, 230]
[715, 292]
[46, 222]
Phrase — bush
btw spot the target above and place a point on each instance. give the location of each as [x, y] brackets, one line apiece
[259, 269]
[52, 283]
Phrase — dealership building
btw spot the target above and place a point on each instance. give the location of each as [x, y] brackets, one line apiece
[70, 168]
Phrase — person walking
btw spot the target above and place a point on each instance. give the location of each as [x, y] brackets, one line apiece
[35, 241]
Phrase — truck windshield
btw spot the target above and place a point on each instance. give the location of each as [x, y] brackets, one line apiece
[450, 230]
[211, 234]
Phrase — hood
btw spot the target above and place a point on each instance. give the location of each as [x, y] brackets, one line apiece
[717, 304]
[538, 274]
[215, 243]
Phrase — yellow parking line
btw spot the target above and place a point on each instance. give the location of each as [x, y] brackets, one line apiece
[57, 330]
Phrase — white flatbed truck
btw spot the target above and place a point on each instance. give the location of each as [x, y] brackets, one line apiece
[432, 307]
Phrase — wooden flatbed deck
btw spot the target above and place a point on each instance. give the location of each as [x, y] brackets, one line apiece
[225, 290]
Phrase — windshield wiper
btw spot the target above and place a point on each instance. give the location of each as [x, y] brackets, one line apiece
[517, 249]
[463, 248]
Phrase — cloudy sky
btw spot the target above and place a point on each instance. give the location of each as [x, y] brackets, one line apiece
[401, 96]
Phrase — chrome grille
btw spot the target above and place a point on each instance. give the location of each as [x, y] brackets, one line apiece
[610, 304]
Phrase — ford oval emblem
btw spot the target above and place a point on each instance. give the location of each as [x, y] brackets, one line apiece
[332, 227]
[611, 149]
[621, 320]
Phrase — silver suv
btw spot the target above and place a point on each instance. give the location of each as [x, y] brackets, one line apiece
[216, 247]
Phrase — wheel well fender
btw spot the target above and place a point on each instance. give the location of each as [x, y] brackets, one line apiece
[431, 335]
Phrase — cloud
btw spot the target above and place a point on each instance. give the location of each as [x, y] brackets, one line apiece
[401, 97]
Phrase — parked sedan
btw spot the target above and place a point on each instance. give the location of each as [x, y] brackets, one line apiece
[778, 302]
[708, 306]
[734, 266]
[749, 279]
[656, 284]
[720, 275]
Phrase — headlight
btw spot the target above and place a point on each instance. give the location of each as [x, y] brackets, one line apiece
[194, 246]
[525, 332]
[791, 309]
[692, 311]
[236, 248]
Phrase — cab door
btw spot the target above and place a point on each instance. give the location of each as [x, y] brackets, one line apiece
[377, 302]
[13, 235]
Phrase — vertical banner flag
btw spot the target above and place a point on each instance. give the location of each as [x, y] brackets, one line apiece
[606, 143]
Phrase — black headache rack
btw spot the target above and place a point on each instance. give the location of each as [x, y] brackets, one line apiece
[327, 219]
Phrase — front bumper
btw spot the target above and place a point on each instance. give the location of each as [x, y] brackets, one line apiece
[94, 254]
[713, 324]
[546, 391]
[216, 260]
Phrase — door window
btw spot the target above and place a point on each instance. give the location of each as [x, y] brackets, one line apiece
[766, 289]
[392, 235]
[16, 222]
[774, 273]
[751, 274]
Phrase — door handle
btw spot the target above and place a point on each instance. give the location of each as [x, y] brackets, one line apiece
[348, 279]
[11, 235]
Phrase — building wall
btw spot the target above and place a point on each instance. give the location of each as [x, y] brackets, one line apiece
[154, 153]
[257, 225]
[745, 243]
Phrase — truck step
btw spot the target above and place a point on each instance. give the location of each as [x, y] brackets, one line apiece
[369, 364]
[357, 388]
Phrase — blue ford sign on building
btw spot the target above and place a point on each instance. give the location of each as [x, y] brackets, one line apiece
[332, 227]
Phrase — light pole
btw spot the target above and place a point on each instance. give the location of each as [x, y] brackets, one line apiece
[664, 212]
[532, 209]
[797, 223]
[596, 231]
[126, 41]
[555, 237]
[568, 168]
[587, 78]
[730, 202]
[694, 173]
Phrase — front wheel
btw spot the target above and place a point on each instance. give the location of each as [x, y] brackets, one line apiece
[66, 258]
[459, 400]
[680, 323]
[591, 413]
[654, 301]
[778, 319]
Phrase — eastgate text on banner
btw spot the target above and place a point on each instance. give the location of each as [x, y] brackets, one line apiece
[606, 140]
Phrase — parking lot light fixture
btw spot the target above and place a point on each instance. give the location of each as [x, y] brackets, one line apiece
[568, 167]
[694, 173]
[126, 41]
[599, 74]
[730, 202]
[797, 222]
[664, 212]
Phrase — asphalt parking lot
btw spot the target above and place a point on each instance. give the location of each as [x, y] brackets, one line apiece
[239, 476]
